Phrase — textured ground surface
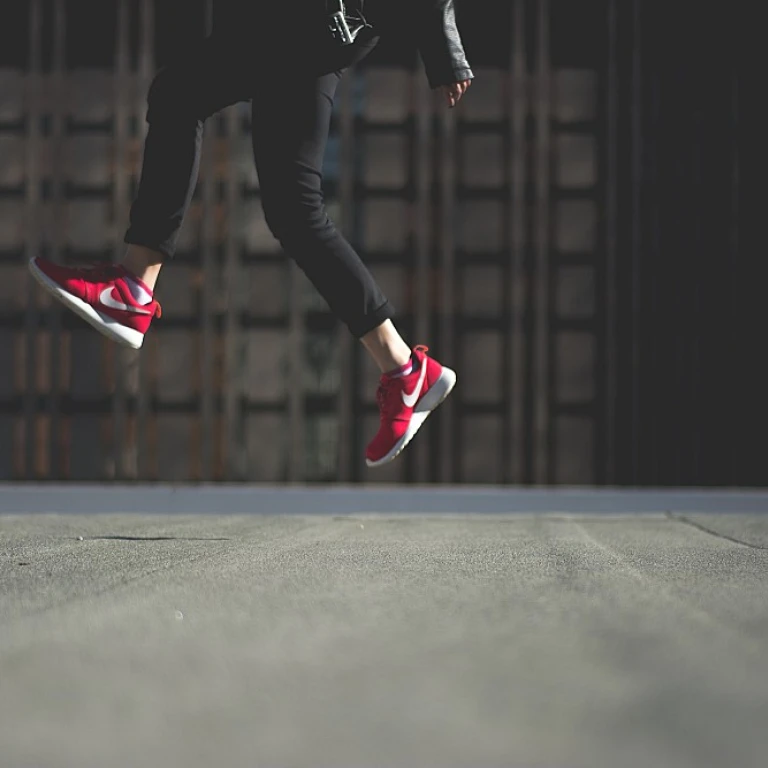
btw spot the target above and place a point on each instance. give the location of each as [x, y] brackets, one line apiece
[504, 640]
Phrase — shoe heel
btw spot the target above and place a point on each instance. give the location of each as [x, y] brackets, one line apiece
[437, 392]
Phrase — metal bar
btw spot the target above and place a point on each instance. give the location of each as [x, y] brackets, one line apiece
[296, 378]
[32, 238]
[449, 453]
[608, 470]
[422, 170]
[636, 237]
[518, 152]
[235, 452]
[122, 357]
[296, 344]
[56, 98]
[347, 390]
[735, 186]
[209, 285]
[144, 76]
[745, 462]
[544, 345]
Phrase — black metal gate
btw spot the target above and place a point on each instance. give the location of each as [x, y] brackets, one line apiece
[568, 239]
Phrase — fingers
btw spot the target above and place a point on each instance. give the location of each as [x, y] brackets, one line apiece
[454, 94]
[455, 91]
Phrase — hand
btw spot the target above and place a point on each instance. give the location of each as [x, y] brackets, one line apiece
[455, 91]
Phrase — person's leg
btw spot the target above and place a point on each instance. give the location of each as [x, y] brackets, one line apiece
[387, 347]
[291, 120]
[117, 299]
[181, 98]
[145, 263]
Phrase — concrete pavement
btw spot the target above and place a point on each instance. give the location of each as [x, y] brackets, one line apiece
[374, 640]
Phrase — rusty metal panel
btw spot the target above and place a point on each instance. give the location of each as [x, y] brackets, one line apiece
[345, 408]
[123, 452]
[238, 290]
[144, 72]
[542, 356]
[523, 237]
[33, 205]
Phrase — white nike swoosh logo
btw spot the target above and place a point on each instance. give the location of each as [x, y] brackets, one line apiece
[410, 400]
[105, 297]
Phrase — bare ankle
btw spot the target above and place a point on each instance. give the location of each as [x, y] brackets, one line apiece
[144, 263]
[387, 347]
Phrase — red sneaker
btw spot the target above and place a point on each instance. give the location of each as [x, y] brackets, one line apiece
[106, 296]
[405, 402]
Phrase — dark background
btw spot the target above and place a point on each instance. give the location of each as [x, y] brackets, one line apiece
[679, 321]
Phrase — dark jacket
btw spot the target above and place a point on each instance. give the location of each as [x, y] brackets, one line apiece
[431, 24]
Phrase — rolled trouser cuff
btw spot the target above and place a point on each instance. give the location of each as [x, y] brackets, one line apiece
[166, 247]
[371, 320]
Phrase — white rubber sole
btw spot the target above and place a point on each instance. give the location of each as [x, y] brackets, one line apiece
[435, 395]
[104, 324]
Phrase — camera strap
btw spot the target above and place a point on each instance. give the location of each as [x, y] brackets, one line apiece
[343, 23]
